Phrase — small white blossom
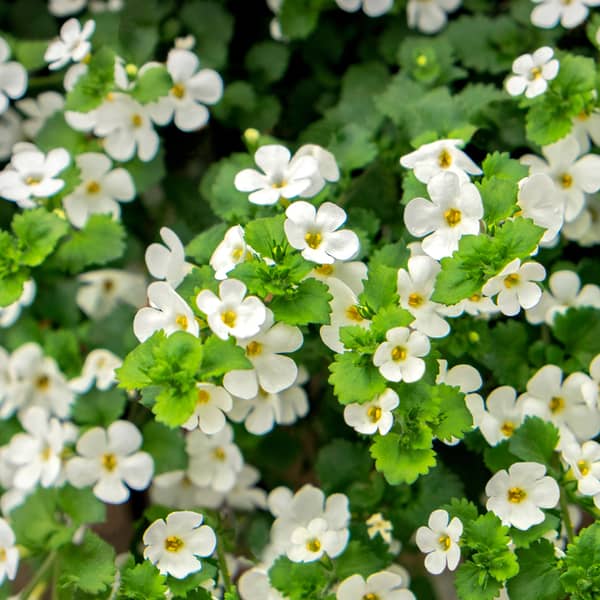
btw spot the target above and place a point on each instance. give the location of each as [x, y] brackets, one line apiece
[9, 314]
[109, 459]
[517, 496]
[167, 262]
[377, 525]
[9, 554]
[570, 13]
[167, 311]
[398, 358]
[72, 45]
[208, 415]
[99, 368]
[514, 286]
[371, 8]
[327, 168]
[255, 583]
[429, 16]
[584, 462]
[585, 228]
[464, 377]
[351, 274]
[174, 544]
[440, 541]
[230, 252]
[586, 128]
[64, 8]
[532, 73]
[176, 490]
[102, 290]
[455, 210]
[383, 585]
[32, 174]
[281, 178]
[11, 132]
[192, 89]
[13, 77]
[38, 111]
[374, 416]
[100, 191]
[232, 313]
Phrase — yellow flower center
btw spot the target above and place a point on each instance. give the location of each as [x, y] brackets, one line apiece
[86, 59]
[203, 397]
[507, 428]
[511, 280]
[108, 285]
[229, 317]
[445, 542]
[516, 495]
[475, 298]
[313, 545]
[253, 349]
[173, 544]
[535, 73]
[566, 181]
[31, 180]
[325, 270]
[42, 383]
[399, 353]
[353, 314]
[452, 217]
[313, 240]
[93, 187]
[182, 321]
[557, 404]
[584, 467]
[219, 454]
[109, 461]
[374, 414]
[370, 596]
[136, 120]
[237, 253]
[415, 300]
[46, 453]
[278, 184]
[178, 90]
[444, 159]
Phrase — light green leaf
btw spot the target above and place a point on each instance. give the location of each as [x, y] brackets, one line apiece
[38, 232]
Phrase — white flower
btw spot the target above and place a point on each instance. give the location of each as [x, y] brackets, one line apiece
[327, 168]
[99, 368]
[586, 127]
[254, 584]
[215, 461]
[34, 380]
[383, 585]
[573, 176]
[344, 311]
[64, 8]
[372, 8]
[208, 415]
[167, 311]
[464, 377]
[38, 111]
[9, 314]
[126, 128]
[167, 262]
[231, 313]
[100, 6]
[584, 462]
[103, 289]
[504, 413]
[174, 544]
[565, 292]
[244, 495]
[314, 232]
[415, 287]
[563, 403]
[398, 357]
[438, 157]
[514, 286]
[476, 305]
[429, 16]
[109, 459]
[350, 273]
[33, 173]
[175, 489]
[280, 178]
[9, 554]
[36, 454]
[10, 132]
[532, 73]
[230, 252]
[517, 496]
[13, 77]
[377, 525]
[440, 541]
[373, 416]
[585, 228]
[100, 191]
[540, 202]
[73, 44]
[192, 89]
[272, 372]
[570, 14]
[455, 210]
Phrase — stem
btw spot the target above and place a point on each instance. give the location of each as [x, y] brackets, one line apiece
[564, 507]
[223, 566]
[41, 573]
[45, 81]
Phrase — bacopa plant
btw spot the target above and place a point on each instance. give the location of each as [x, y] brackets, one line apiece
[299, 299]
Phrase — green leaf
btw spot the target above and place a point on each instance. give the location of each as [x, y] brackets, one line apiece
[582, 577]
[463, 509]
[501, 166]
[298, 19]
[455, 419]
[524, 538]
[538, 577]
[92, 87]
[81, 505]
[389, 317]
[204, 244]
[499, 198]
[38, 232]
[133, 374]
[307, 303]
[267, 61]
[578, 330]
[577, 75]
[535, 440]
[30, 53]
[181, 588]
[152, 84]
[470, 585]
[142, 582]
[547, 122]
[297, 581]
[99, 407]
[89, 566]
[222, 356]
[355, 379]
[352, 147]
[380, 288]
[100, 241]
[165, 445]
[267, 237]
[340, 463]
[399, 464]
[362, 558]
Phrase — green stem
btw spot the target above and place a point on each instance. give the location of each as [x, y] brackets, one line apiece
[223, 565]
[46, 81]
[564, 507]
[41, 573]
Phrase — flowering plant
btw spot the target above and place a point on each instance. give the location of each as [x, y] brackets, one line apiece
[298, 299]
